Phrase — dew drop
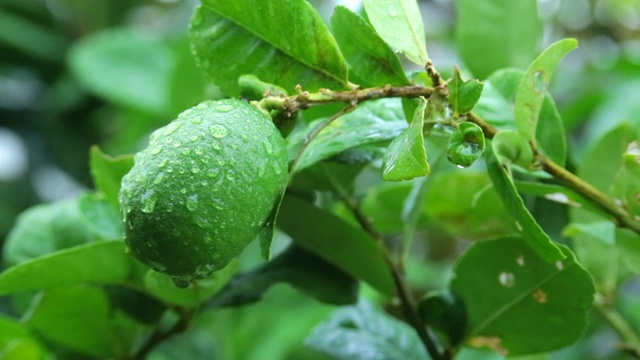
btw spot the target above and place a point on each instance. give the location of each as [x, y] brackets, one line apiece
[156, 150]
[199, 150]
[181, 282]
[268, 148]
[159, 178]
[507, 279]
[203, 105]
[213, 172]
[195, 169]
[218, 131]
[216, 145]
[162, 163]
[559, 265]
[230, 175]
[192, 202]
[539, 82]
[148, 201]
[224, 108]
[197, 120]
[204, 270]
[520, 260]
[171, 128]
[168, 139]
[183, 190]
[460, 166]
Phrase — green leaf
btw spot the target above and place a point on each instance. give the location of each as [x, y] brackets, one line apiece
[445, 312]
[101, 217]
[531, 231]
[463, 95]
[505, 32]
[466, 145]
[298, 267]
[163, 288]
[399, 23]
[627, 182]
[232, 38]
[519, 303]
[107, 172]
[534, 84]
[46, 228]
[370, 59]
[557, 193]
[100, 262]
[81, 318]
[17, 342]
[126, 67]
[629, 247]
[372, 122]
[511, 147]
[341, 244]
[406, 157]
[363, 332]
[496, 107]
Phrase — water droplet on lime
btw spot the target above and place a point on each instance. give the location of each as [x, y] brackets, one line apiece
[218, 131]
[181, 282]
[192, 202]
[171, 128]
[224, 108]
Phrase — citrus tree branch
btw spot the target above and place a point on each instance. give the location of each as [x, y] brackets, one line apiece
[304, 100]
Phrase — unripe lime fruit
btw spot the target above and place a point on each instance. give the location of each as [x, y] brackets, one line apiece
[203, 188]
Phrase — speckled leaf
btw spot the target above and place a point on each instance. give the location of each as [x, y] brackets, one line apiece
[518, 303]
[463, 95]
[107, 173]
[534, 84]
[101, 262]
[531, 231]
[232, 38]
[372, 122]
[399, 23]
[406, 157]
[370, 59]
[363, 332]
[336, 241]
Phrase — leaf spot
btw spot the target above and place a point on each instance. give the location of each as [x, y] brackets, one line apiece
[540, 296]
[492, 342]
[507, 279]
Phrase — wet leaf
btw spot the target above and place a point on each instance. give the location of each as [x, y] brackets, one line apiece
[370, 59]
[406, 157]
[399, 23]
[363, 332]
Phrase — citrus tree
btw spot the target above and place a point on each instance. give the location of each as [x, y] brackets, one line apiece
[334, 193]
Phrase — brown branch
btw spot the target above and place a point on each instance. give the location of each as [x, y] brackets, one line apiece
[403, 291]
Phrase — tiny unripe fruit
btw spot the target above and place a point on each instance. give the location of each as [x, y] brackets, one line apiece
[203, 188]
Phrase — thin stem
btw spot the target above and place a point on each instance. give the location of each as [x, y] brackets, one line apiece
[158, 335]
[403, 291]
[598, 198]
[318, 130]
[631, 341]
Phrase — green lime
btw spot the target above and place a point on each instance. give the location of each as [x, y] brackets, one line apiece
[203, 188]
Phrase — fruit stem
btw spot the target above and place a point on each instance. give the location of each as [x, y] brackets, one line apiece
[403, 291]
